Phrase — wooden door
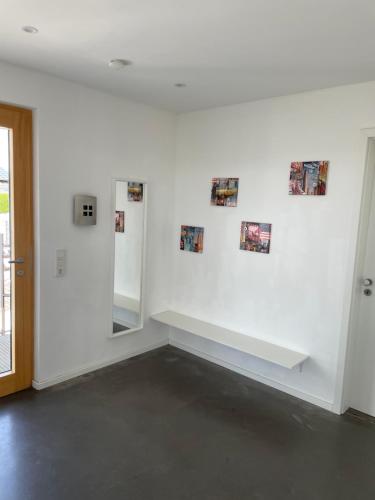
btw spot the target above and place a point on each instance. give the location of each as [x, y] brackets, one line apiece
[16, 250]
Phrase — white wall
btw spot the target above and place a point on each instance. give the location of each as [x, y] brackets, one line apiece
[83, 138]
[298, 295]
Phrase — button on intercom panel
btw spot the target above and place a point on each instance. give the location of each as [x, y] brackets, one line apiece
[84, 210]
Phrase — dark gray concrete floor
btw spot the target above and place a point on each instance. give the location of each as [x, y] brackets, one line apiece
[117, 328]
[169, 426]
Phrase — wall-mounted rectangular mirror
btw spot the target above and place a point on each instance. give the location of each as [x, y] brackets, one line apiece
[129, 233]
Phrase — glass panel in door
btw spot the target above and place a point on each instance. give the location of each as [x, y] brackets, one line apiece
[6, 357]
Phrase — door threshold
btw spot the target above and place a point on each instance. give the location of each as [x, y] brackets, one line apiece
[359, 415]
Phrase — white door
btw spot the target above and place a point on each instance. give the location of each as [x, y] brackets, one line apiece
[362, 392]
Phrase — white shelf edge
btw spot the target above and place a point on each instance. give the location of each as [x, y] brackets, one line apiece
[268, 351]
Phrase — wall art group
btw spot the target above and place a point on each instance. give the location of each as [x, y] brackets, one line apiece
[305, 178]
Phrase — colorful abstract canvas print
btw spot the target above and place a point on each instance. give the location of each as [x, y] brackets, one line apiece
[135, 191]
[255, 237]
[120, 221]
[308, 177]
[224, 191]
[192, 238]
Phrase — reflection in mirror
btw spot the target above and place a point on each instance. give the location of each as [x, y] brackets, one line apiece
[129, 205]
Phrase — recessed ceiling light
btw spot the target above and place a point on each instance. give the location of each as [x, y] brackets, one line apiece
[30, 29]
[119, 63]
[180, 85]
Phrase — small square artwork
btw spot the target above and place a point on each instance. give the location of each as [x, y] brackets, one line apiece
[192, 239]
[308, 177]
[224, 191]
[255, 237]
[135, 191]
[120, 221]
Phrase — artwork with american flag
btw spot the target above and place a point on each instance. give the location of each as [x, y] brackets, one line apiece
[255, 237]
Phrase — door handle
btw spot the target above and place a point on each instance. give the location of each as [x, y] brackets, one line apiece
[20, 260]
[367, 282]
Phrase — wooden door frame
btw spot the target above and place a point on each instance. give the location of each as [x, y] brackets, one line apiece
[19, 120]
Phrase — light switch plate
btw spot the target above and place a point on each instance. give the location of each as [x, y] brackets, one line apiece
[84, 210]
[60, 263]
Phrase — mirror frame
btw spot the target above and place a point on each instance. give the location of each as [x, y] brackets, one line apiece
[143, 256]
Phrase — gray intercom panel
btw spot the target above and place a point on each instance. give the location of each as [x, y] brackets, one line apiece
[84, 210]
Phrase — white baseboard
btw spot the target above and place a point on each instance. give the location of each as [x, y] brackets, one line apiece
[259, 378]
[43, 384]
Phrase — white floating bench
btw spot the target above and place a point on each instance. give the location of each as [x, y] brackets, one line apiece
[268, 351]
[125, 302]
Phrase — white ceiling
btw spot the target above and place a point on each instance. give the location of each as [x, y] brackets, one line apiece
[226, 51]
